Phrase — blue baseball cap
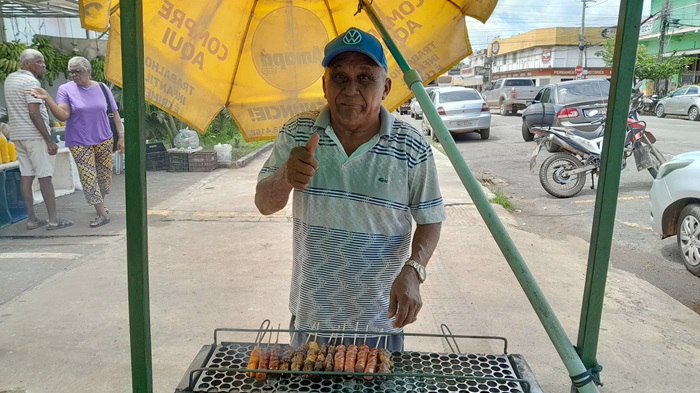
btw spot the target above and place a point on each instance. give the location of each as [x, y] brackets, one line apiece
[355, 40]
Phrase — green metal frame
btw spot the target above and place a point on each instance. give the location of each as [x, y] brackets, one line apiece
[578, 363]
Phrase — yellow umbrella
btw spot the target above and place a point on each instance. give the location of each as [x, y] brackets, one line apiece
[261, 59]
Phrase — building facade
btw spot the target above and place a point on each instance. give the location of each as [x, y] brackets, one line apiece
[674, 30]
[548, 55]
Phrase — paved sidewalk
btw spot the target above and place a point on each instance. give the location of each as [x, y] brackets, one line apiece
[214, 261]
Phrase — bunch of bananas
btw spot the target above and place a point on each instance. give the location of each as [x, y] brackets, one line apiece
[98, 69]
[9, 57]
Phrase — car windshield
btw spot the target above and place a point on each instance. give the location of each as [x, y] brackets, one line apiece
[459, 95]
[583, 92]
[519, 82]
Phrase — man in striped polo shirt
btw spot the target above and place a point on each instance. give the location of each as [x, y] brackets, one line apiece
[360, 177]
[30, 131]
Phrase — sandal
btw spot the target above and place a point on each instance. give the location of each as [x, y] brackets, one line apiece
[59, 225]
[99, 221]
[40, 222]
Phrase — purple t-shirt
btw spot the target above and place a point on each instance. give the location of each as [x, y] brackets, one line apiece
[88, 124]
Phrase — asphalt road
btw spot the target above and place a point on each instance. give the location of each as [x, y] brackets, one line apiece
[504, 160]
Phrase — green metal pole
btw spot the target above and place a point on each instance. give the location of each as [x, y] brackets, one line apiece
[136, 220]
[549, 321]
[606, 196]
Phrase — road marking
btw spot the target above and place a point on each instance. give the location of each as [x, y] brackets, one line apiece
[39, 255]
[637, 225]
[628, 198]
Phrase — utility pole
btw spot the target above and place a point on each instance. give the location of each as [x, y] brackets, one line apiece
[582, 38]
[662, 32]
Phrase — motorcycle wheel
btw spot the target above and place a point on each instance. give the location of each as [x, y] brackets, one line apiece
[557, 184]
[688, 239]
[658, 159]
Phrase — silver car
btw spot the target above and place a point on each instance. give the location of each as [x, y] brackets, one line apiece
[682, 102]
[416, 111]
[462, 110]
[675, 206]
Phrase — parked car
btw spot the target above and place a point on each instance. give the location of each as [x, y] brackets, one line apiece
[461, 109]
[405, 107]
[509, 95]
[416, 111]
[572, 104]
[683, 102]
[675, 206]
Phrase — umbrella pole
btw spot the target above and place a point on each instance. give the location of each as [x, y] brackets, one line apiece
[136, 220]
[580, 376]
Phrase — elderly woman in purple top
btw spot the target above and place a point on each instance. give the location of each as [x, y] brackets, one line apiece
[82, 105]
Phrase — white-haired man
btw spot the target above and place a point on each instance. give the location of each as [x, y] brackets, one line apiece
[30, 131]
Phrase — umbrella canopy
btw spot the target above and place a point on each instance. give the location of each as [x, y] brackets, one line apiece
[261, 59]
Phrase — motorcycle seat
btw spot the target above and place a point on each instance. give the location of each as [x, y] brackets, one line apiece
[590, 135]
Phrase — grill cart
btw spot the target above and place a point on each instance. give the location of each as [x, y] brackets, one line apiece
[222, 367]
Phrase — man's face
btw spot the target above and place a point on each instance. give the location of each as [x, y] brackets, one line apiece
[354, 86]
[36, 66]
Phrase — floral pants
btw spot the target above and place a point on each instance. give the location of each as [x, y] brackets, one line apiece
[95, 169]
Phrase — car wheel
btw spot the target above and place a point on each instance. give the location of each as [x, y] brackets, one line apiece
[433, 136]
[503, 110]
[527, 135]
[693, 113]
[660, 111]
[413, 116]
[485, 133]
[514, 111]
[688, 233]
[551, 147]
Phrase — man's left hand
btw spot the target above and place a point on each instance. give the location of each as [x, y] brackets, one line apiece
[404, 300]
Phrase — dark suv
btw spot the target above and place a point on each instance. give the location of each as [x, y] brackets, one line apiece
[573, 104]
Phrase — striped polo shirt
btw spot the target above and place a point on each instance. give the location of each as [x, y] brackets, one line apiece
[21, 125]
[353, 225]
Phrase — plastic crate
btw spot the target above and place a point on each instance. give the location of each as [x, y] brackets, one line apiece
[155, 147]
[203, 161]
[15, 202]
[178, 162]
[157, 161]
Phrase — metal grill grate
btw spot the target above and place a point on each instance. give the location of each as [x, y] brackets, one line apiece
[416, 372]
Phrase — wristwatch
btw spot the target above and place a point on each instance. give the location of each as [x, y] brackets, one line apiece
[420, 269]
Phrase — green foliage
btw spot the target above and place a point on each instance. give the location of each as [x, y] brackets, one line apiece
[647, 65]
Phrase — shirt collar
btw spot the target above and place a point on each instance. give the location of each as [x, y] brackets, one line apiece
[385, 126]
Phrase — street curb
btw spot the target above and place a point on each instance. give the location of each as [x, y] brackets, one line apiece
[245, 160]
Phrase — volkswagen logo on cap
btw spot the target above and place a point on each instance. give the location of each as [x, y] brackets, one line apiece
[352, 37]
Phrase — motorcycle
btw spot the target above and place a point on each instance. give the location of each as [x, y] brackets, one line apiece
[563, 174]
[649, 104]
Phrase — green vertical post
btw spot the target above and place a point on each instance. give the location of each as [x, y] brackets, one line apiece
[606, 197]
[520, 269]
[137, 219]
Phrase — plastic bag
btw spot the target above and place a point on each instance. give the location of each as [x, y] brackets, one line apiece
[186, 139]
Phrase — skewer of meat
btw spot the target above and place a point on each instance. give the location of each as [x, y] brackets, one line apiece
[311, 355]
[275, 354]
[372, 357]
[254, 357]
[321, 359]
[300, 355]
[339, 361]
[362, 354]
[264, 360]
[351, 355]
[386, 364]
[330, 356]
[287, 356]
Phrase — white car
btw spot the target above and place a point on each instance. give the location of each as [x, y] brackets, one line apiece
[675, 205]
[461, 110]
[416, 111]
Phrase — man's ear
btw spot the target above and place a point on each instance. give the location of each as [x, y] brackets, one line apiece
[323, 85]
[387, 88]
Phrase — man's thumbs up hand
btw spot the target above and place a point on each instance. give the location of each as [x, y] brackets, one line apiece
[301, 164]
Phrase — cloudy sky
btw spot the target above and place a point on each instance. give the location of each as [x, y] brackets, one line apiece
[513, 17]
